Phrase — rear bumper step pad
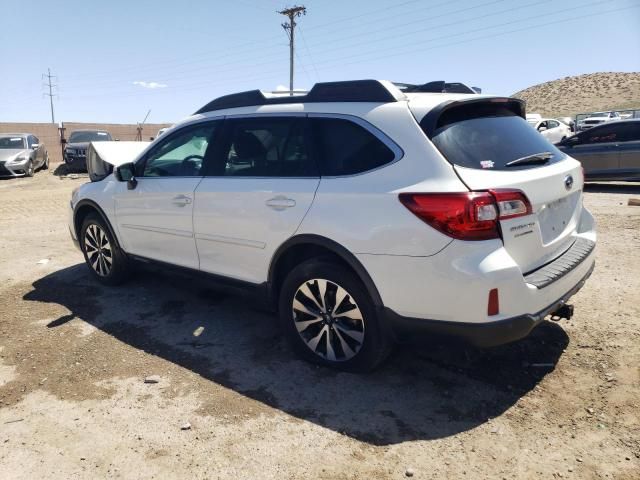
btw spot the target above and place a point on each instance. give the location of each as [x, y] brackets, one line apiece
[562, 265]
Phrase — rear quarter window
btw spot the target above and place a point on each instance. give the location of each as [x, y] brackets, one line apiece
[488, 137]
[342, 147]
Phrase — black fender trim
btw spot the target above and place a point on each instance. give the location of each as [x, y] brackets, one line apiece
[96, 207]
[335, 248]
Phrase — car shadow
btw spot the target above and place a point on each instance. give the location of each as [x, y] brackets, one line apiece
[625, 188]
[432, 391]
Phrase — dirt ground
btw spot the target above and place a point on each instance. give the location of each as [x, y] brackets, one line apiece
[564, 402]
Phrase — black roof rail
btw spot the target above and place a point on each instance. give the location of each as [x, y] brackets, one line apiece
[345, 91]
[438, 86]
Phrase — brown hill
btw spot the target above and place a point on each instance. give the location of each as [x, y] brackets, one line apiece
[583, 93]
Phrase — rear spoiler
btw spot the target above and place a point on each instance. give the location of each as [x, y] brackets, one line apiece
[457, 110]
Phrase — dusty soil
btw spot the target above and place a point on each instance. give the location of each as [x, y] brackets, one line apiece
[565, 402]
[591, 92]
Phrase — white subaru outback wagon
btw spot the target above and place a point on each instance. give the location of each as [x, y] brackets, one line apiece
[362, 211]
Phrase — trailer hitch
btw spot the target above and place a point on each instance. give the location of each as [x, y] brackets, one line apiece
[565, 311]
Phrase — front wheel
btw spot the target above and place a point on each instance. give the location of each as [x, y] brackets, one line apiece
[106, 261]
[29, 171]
[329, 317]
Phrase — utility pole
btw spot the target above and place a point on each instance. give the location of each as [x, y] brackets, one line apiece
[290, 27]
[140, 127]
[50, 94]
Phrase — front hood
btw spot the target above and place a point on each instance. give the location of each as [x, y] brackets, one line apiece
[84, 145]
[104, 156]
[11, 153]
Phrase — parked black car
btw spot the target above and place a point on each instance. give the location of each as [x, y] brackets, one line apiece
[610, 151]
[75, 150]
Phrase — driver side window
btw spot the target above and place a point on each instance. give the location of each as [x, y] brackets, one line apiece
[182, 154]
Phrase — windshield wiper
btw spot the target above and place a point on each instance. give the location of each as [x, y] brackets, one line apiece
[542, 157]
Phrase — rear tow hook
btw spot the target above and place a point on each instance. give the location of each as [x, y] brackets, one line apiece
[565, 311]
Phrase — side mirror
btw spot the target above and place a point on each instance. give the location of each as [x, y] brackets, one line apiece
[35, 146]
[570, 141]
[127, 173]
[542, 129]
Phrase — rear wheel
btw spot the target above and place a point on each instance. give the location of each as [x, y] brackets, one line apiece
[106, 261]
[330, 319]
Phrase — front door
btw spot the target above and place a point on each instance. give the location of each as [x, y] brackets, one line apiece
[261, 185]
[155, 219]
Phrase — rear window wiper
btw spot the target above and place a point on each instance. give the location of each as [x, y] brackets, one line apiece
[542, 158]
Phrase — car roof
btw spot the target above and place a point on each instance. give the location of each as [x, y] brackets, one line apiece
[16, 134]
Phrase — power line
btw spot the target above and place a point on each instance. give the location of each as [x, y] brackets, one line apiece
[304, 41]
[50, 94]
[290, 27]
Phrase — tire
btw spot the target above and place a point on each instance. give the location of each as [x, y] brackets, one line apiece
[357, 342]
[99, 248]
[45, 165]
[29, 172]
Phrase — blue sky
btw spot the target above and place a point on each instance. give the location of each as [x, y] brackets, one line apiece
[116, 59]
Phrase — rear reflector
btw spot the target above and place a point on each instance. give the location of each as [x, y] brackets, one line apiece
[493, 307]
[467, 215]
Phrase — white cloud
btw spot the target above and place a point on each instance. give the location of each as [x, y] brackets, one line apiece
[150, 84]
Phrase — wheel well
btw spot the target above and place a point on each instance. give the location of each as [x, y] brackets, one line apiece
[303, 251]
[81, 213]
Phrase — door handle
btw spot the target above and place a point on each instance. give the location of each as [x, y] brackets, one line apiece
[181, 200]
[280, 202]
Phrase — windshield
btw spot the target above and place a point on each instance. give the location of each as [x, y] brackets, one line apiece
[81, 137]
[492, 142]
[12, 143]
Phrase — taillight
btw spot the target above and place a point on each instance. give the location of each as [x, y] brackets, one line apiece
[467, 215]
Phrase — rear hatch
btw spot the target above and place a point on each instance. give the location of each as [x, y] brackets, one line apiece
[491, 147]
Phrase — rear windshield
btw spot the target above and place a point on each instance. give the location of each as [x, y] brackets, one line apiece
[491, 139]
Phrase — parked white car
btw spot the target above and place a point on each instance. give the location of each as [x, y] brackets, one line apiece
[361, 213]
[552, 129]
[596, 119]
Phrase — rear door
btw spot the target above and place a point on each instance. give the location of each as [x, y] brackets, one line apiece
[492, 147]
[629, 148]
[254, 196]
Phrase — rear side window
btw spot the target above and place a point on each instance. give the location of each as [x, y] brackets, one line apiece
[265, 147]
[614, 132]
[489, 137]
[343, 147]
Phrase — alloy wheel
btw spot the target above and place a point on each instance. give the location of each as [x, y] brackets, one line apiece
[98, 249]
[328, 320]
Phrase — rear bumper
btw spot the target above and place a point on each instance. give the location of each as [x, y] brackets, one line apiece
[487, 334]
